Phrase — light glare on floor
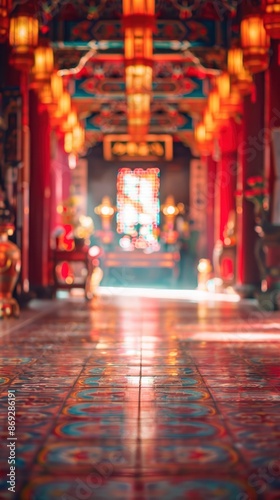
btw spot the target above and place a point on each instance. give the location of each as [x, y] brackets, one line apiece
[189, 295]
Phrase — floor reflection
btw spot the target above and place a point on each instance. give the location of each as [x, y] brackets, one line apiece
[144, 398]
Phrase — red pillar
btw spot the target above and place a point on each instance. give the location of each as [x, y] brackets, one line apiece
[251, 163]
[272, 120]
[24, 183]
[226, 176]
[210, 207]
[39, 229]
[14, 78]
[227, 179]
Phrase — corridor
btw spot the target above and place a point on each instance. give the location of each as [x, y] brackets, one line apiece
[143, 397]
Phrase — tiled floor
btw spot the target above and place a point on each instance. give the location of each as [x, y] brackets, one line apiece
[144, 399]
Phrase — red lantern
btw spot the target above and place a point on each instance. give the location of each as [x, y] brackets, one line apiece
[56, 87]
[64, 105]
[203, 139]
[241, 78]
[223, 85]
[70, 122]
[272, 18]
[255, 44]
[78, 137]
[4, 19]
[232, 105]
[139, 7]
[138, 39]
[45, 94]
[43, 62]
[214, 102]
[138, 115]
[209, 123]
[23, 36]
[138, 23]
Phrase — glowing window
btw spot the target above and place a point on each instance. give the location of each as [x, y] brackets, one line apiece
[138, 206]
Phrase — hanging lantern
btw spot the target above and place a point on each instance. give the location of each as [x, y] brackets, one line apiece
[203, 139]
[235, 61]
[4, 19]
[138, 78]
[138, 45]
[138, 59]
[255, 44]
[56, 87]
[23, 36]
[68, 142]
[43, 62]
[233, 104]
[272, 18]
[223, 85]
[138, 115]
[138, 7]
[78, 137]
[61, 110]
[50, 92]
[200, 133]
[209, 123]
[74, 141]
[241, 78]
[214, 102]
[138, 104]
[45, 93]
[222, 116]
[138, 21]
[71, 121]
[243, 83]
[64, 105]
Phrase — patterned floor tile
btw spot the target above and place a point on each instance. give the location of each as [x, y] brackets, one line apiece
[168, 455]
[183, 409]
[171, 381]
[176, 394]
[183, 429]
[97, 484]
[155, 371]
[105, 394]
[118, 401]
[82, 455]
[108, 381]
[96, 429]
[119, 371]
[84, 409]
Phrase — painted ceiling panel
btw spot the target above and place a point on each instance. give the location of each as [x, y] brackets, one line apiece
[198, 32]
[189, 47]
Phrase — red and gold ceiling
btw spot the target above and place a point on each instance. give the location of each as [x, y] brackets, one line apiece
[147, 66]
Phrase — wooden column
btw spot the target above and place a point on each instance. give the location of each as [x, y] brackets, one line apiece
[24, 180]
[272, 121]
[227, 172]
[250, 163]
[39, 233]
